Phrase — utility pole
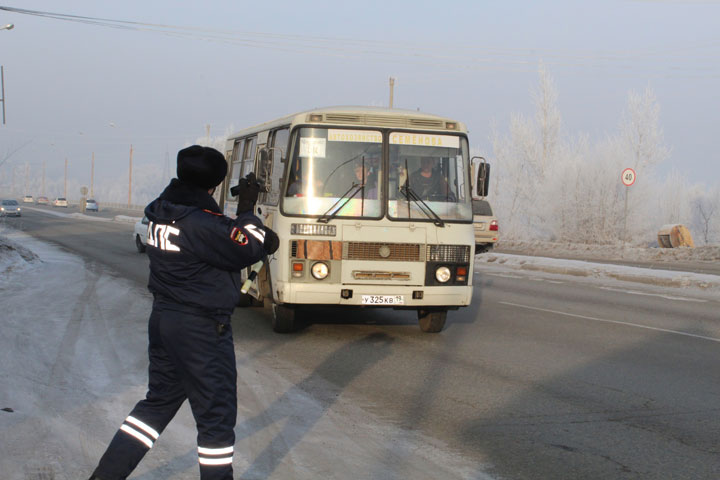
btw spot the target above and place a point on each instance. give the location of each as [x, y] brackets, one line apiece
[130, 179]
[392, 87]
[43, 179]
[207, 134]
[65, 190]
[92, 175]
[2, 91]
[27, 172]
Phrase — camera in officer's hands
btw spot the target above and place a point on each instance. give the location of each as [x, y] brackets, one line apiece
[246, 191]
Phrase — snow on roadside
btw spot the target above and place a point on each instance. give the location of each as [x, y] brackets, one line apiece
[698, 283]
[707, 253]
[73, 362]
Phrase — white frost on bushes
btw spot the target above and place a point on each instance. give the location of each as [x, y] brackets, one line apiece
[548, 183]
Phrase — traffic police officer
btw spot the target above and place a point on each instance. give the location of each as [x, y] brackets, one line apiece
[196, 254]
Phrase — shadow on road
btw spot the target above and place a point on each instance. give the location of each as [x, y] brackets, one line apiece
[338, 370]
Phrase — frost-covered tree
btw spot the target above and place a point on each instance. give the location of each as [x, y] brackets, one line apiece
[551, 186]
[524, 159]
[706, 208]
[641, 146]
[547, 120]
[640, 132]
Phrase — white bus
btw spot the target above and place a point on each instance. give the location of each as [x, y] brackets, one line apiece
[372, 207]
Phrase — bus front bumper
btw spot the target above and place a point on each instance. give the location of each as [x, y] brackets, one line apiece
[393, 296]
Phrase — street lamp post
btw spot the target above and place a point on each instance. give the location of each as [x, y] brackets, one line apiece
[130, 180]
[9, 26]
[92, 175]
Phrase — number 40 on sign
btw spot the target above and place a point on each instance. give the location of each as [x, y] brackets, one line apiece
[628, 177]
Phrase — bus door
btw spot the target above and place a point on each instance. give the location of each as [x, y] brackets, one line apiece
[243, 162]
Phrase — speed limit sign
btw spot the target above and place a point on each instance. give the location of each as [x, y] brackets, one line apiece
[628, 177]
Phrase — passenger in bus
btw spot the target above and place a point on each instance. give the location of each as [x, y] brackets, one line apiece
[429, 184]
[369, 186]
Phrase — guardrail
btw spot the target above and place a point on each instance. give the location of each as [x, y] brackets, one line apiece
[122, 206]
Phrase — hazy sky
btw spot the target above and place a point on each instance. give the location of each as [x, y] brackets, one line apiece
[239, 63]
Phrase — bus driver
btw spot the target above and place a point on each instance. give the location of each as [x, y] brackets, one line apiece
[428, 182]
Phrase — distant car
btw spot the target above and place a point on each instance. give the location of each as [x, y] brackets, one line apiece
[10, 208]
[42, 201]
[91, 205]
[140, 234]
[485, 226]
[28, 199]
[60, 202]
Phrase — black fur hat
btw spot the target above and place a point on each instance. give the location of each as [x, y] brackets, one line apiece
[204, 167]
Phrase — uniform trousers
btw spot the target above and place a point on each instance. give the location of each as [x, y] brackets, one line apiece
[191, 356]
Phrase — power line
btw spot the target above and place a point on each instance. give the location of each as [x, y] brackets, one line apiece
[440, 56]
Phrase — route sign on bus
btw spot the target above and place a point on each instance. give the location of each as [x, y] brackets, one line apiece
[628, 177]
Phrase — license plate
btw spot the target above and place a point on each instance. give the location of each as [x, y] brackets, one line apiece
[383, 300]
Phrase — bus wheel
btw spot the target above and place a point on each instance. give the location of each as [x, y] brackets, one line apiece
[284, 318]
[432, 321]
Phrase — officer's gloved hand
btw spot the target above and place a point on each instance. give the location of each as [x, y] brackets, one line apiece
[272, 242]
[247, 191]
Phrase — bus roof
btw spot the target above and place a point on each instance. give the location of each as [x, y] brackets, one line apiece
[360, 116]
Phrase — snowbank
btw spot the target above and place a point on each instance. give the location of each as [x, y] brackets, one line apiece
[709, 253]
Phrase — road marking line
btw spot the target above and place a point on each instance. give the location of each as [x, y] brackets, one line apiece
[503, 275]
[669, 297]
[627, 324]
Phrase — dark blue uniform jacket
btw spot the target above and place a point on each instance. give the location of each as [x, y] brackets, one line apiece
[196, 252]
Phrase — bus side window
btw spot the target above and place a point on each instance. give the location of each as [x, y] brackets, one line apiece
[277, 146]
[248, 157]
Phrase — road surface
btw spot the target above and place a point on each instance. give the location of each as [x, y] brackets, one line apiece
[541, 378]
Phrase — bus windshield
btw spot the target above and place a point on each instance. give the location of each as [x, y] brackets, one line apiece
[335, 172]
[428, 177]
[340, 173]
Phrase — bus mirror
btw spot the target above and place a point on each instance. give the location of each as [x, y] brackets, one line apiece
[482, 180]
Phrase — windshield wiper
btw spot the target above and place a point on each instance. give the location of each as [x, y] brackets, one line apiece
[325, 218]
[424, 207]
[411, 195]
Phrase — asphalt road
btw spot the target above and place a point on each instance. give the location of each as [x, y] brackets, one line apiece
[538, 379]
[105, 242]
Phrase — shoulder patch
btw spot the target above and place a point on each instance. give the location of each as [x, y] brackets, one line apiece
[212, 213]
[237, 236]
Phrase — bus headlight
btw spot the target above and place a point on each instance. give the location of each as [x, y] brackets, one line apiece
[320, 270]
[442, 274]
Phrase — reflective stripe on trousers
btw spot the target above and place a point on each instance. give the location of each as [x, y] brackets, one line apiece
[190, 358]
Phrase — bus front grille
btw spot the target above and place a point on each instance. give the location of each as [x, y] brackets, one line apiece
[398, 252]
